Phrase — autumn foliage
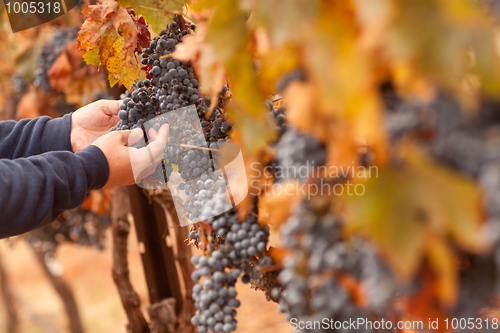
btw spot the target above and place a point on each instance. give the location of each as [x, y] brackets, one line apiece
[421, 213]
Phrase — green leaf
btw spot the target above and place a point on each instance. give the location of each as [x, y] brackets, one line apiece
[405, 206]
[158, 13]
[92, 57]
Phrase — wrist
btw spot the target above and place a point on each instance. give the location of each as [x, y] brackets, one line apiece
[72, 134]
[57, 135]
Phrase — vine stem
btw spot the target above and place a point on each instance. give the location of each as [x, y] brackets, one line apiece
[120, 228]
[196, 147]
[64, 291]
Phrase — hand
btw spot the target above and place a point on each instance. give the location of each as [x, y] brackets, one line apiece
[122, 171]
[93, 121]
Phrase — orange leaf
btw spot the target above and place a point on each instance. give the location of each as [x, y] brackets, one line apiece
[355, 288]
[276, 209]
[114, 34]
[60, 74]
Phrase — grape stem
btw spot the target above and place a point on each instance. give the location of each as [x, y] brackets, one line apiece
[196, 147]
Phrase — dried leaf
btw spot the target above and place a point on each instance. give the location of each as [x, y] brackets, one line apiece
[98, 202]
[60, 74]
[35, 103]
[78, 83]
[117, 34]
[276, 208]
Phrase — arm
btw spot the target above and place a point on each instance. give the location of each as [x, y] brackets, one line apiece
[35, 190]
[29, 137]
[72, 132]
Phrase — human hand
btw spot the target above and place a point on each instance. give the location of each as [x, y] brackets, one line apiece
[93, 121]
[128, 165]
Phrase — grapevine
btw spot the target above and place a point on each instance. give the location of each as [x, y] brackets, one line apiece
[304, 89]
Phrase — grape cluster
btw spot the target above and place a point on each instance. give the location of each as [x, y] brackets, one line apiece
[460, 142]
[314, 235]
[231, 246]
[279, 116]
[170, 85]
[168, 95]
[19, 83]
[215, 298]
[51, 50]
[80, 226]
[464, 145]
[297, 155]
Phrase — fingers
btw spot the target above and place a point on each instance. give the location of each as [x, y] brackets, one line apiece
[152, 134]
[158, 145]
[135, 136]
[144, 160]
[109, 107]
[114, 120]
[125, 137]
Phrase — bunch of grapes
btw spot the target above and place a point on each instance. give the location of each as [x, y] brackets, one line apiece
[80, 226]
[19, 83]
[459, 142]
[320, 258]
[313, 277]
[51, 50]
[172, 85]
[233, 248]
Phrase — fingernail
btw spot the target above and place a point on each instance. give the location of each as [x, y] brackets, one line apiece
[137, 131]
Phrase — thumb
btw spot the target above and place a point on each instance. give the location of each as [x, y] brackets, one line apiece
[136, 135]
[110, 107]
[129, 137]
[158, 145]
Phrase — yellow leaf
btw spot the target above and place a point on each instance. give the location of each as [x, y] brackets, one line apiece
[229, 37]
[273, 65]
[111, 35]
[158, 13]
[442, 261]
[92, 57]
[408, 204]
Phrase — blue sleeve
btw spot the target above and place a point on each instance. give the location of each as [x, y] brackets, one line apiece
[36, 189]
[29, 137]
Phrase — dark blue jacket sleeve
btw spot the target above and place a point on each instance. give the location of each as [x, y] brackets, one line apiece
[29, 137]
[34, 190]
